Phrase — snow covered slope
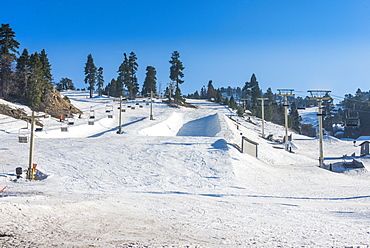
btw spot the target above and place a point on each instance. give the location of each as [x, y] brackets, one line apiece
[176, 181]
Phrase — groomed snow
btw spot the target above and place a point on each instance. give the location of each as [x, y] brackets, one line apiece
[176, 181]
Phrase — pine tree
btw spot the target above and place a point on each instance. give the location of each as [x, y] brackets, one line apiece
[65, 84]
[328, 107]
[100, 81]
[150, 82]
[294, 118]
[90, 74]
[176, 74]
[270, 95]
[23, 73]
[8, 51]
[232, 103]
[46, 67]
[47, 83]
[133, 86]
[203, 92]
[127, 75]
[33, 93]
[218, 96]
[123, 77]
[111, 89]
[211, 92]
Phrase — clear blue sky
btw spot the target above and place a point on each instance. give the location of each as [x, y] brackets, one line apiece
[299, 44]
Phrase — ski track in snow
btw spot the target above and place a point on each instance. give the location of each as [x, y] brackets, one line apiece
[176, 181]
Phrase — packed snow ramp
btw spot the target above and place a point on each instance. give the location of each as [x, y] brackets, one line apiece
[176, 125]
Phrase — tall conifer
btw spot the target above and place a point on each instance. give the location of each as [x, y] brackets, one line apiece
[90, 74]
[8, 50]
[150, 82]
[100, 81]
[176, 74]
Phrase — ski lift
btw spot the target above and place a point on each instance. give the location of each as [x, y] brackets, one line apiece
[64, 128]
[108, 108]
[92, 113]
[352, 120]
[23, 134]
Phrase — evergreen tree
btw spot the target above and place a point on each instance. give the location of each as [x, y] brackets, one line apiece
[203, 92]
[229, 91]
[23, 73]
[90, 74]
[8, 51]
[294, 120]
[123, 76]
[133, 86]
[270, 95]
[176, 74]
[47, 83]
[211, 92]
[33, 93]
[196, 95]
[226, 101]
[8, 45]
[46, 67]
[218, 98]
[328, 107]
[150, 81]
[100, 81]
[65, 84]
[232, 103]
[111, 89]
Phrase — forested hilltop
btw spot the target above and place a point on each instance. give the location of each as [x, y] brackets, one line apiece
[27, 78]
[349, 118]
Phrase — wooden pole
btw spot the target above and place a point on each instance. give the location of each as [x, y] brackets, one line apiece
[32, 142]
[263, 115]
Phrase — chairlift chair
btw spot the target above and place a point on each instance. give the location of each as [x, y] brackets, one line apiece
[64, 128]
[352, 120]
[23, 134]
[108, 108]
[92, 114]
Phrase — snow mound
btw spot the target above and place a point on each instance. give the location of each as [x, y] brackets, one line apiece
[175, 125]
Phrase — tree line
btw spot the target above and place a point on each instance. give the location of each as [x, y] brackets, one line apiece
[246, 98]
[126, 80]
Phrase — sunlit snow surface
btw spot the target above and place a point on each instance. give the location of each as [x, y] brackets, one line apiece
[176, 181]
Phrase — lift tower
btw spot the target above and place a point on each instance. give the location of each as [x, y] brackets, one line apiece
[320, 95]
[263, 115]
[285, 93]
[32, 118]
